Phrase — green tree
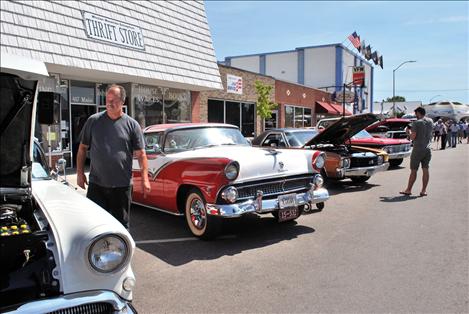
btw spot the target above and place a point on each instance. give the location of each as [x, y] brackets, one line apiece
[264, 105]
[395, 98]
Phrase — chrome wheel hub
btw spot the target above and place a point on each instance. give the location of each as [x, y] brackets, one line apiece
[198, 214]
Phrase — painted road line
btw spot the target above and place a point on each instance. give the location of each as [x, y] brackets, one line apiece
[180, 240]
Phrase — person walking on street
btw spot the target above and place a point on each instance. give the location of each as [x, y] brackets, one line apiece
[444, 134]
[460, 132]
[437, 132]
[421, 135]
[454, 128]
[113, 138]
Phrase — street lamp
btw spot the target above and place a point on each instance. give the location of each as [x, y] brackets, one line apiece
[434, 97]
[394, 85]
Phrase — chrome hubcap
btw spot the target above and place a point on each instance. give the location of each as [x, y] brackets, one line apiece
[198, 214]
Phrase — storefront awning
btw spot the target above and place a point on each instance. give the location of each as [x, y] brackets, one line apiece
[325, 107]
[340, 109]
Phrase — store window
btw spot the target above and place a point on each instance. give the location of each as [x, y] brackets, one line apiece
[216, 111]
[241, 114]
[297, 117]
[272, 122]
[158, 105]
[83, 93]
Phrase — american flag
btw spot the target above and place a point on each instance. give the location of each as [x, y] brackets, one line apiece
[354, 39]
[239, 85]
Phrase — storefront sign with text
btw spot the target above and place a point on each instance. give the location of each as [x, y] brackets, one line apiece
[113, 31]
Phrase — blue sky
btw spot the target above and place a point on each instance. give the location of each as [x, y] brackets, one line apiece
[433, 33]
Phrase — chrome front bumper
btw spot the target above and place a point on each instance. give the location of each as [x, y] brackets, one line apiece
[69, 301]
[260, 205]
[366, 171]
[400, 155]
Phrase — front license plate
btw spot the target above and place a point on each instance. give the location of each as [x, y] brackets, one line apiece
[287, 201]
[288, 214]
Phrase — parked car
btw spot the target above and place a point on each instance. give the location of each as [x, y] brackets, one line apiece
[342, 160]
[397, 149]
[59, 251]
[390, 128]
[207, 172]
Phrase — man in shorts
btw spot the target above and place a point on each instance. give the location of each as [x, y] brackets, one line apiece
[421, 135]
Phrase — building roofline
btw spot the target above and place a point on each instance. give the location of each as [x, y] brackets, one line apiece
[300, 48]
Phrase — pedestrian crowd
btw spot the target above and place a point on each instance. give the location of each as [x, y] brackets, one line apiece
[450, 133]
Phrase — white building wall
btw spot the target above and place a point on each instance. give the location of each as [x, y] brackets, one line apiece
[178, 45]
[367, 90]
[246, 63]
[348, 60]
[319, 66]
[283, 66]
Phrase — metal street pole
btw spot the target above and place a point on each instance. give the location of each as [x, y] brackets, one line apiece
[394, 85]
[343, 101]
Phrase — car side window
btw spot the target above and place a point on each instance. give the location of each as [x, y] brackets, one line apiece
[152, 141]
[274, 140]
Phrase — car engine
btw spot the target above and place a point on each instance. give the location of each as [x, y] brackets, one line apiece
[26, 271]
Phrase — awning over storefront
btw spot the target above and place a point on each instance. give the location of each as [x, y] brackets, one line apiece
[325, 107]
[340, 109]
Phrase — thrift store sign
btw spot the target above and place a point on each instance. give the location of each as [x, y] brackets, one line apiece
[234, 84]
[113, 31]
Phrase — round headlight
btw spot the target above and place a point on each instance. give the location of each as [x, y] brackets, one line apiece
[318, 180]
[230, 194]
[380, 160]
[231, 171]
[346, 162]
[319, 162]
[108, 253]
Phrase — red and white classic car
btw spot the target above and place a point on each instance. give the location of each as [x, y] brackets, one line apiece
[207, 172]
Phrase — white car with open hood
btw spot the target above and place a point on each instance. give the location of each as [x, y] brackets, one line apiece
[59, 251]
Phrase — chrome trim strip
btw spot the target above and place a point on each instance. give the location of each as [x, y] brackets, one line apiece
[158, 209]
[279, 193]
[276, 181]
[366, 171]
[399, 155]
[76, 299]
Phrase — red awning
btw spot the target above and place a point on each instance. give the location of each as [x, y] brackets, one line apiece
[340, 108]
[325, 107]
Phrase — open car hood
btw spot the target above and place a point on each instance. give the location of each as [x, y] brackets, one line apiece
[18, 90]
[343, 129]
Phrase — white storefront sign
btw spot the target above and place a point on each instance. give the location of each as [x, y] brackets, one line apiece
[234, 84]
[113, 31]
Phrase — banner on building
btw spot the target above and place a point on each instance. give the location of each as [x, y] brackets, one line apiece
[358, 76]
[234, 84]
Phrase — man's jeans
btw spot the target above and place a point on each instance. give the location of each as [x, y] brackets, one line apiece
[454, 137]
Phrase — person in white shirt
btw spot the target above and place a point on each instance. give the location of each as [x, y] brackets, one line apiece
[454, 129]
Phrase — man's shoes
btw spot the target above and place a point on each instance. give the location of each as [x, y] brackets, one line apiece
[405, 193]
[422, 194]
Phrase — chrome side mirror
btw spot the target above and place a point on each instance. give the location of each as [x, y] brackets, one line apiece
[60, 166]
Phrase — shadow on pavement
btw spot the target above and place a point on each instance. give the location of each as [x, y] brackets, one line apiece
[394, 168]
[337, 187]
[238, 235]
[396, 199]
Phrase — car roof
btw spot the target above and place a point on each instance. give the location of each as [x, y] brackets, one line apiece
[174, 126]
[288, 130]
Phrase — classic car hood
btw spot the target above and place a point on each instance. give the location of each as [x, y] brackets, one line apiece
[343, 129]
[18, 82]
[75, 221]
[396, 124]
[379, 141]
[257, 163]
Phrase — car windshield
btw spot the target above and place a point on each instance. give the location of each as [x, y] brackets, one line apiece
[194, 138]
[362, 134]
[298, 139]
[39, 169]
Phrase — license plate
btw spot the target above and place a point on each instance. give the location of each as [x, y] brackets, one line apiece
[288, 214]
[287, 201]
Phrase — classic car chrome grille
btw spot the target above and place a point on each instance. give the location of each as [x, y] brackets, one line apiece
[398, 148]
[363, 162]
[274, 187]
[90, 308]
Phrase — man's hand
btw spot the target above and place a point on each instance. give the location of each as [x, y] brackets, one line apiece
[146, 187]
[81, 180]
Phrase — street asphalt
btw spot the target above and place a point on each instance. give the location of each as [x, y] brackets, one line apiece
[370, 250]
